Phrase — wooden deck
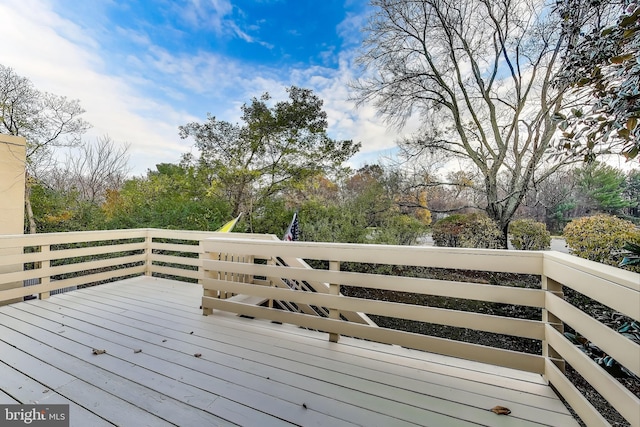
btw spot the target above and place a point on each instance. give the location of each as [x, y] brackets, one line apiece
[194, 370]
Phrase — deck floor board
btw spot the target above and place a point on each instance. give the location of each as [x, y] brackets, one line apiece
[181, 355]
[325, 383]
[482, 372]
[302, 344]
[250, 372]
[438, 385]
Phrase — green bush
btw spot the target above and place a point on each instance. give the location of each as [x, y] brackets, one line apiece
[600, 238]
[466, 231]
[529, 235]
[400, 230]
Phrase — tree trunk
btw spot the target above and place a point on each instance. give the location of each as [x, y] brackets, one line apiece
[504, 235]
[27, 203]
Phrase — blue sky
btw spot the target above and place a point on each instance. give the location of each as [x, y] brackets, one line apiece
[141, 68]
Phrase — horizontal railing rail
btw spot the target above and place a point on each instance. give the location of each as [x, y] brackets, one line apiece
[215, 283]
[48, 262]
[53, 261]
[612, 287]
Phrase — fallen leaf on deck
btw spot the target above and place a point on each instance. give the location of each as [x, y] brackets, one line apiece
[501, 410]
[96, 351]
[198, 355]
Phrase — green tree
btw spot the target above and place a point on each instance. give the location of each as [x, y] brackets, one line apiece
[173, 196]
[632, 193]
[480, 74]
[275, 148]
[602, 66]
[332, 223]
[603, 187]
[59, 211]
[358, 208]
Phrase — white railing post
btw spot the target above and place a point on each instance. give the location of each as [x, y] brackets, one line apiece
[334, 289]
[208, 274]
[45, 264]
[550, 285]
[201, 256]
[271, 261]
[148, 263]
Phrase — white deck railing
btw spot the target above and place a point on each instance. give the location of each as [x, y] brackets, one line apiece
[253, 266]
[615, 288]
[60, 260]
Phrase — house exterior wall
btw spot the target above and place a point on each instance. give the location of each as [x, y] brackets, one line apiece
[12, 176]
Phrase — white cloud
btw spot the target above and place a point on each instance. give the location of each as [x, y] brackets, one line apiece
[217, 15]
[160, 90]
[209, 13]
[58, 57]
[346, 121]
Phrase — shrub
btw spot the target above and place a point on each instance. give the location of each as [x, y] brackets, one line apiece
[529, 235]
[466, 231]
[446, 232]
[401, 230]
[600, 238]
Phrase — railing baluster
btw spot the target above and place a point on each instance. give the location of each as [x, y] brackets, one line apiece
[148, 263]
[210, 274]
[271, 261]
[555, 288]
[45, 264]
[334, 289]
[201, 255]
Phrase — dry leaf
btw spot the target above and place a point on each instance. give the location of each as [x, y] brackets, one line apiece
[96, 351]
[500, 410]
[137, 350]
[198, 355]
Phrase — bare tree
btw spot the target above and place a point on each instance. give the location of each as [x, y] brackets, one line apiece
[44, 119]
[91, 170]
[553, 200]
[480, 73]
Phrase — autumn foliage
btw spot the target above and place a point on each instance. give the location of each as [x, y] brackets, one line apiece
[529, 235]
[466, 231]
[600, 238]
